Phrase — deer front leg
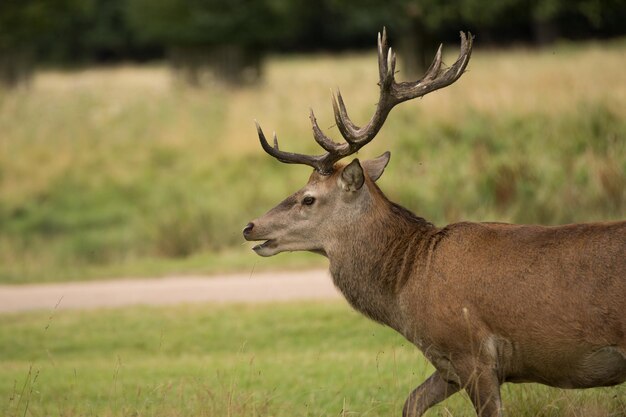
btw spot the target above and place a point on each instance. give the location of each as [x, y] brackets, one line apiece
[432, 391]
[484, 391]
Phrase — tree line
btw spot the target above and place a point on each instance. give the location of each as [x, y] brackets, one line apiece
[232, 36]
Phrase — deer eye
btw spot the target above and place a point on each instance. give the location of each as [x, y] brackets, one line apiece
[308, 200]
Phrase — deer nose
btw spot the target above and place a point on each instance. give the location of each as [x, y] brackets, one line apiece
[248, 229]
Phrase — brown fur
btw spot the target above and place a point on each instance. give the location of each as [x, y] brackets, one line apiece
[487, 303]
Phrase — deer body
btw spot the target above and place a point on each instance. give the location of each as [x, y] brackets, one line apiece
[486, 303]
[476, 288]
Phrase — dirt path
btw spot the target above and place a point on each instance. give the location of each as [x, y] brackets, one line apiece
[258, 287]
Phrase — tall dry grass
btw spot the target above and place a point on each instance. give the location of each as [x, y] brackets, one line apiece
[124, 167]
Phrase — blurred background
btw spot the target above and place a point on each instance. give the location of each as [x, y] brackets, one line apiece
[128, 149]
[127, 143]
[233, 39]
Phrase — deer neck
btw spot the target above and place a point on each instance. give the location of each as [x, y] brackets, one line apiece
[372, 260]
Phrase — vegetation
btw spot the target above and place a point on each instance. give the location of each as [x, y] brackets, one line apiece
[231, 36]
[317, 359]
[121, 171]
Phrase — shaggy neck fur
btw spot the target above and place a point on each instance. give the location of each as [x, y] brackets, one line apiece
[373, 258]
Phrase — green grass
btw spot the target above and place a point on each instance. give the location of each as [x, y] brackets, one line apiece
[312, 359]
[116, 172]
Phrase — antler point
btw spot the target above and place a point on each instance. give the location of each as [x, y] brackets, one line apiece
[275, 141]
[258, 128]
[390, 59]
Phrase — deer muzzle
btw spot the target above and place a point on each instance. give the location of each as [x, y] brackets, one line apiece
[250, 233]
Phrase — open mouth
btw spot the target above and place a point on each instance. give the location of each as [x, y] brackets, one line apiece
[267, 244]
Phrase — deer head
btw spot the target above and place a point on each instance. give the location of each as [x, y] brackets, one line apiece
[337, 195]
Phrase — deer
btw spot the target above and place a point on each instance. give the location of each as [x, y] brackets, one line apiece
[486, 303]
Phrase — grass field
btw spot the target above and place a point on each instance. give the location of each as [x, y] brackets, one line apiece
[120, 171]
[313, 359]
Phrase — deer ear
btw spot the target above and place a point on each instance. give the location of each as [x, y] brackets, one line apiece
[352, 176]
[376, 167]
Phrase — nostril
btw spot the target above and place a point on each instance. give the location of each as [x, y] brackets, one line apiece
[248, 228]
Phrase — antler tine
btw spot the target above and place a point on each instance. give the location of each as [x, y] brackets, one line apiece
[382, 53]
[435, 66]
[434, 80]
[289, 157]
[391, 64]
[348, 130]
[324, 141]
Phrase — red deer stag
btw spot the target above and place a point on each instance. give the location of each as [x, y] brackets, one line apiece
[487, 303]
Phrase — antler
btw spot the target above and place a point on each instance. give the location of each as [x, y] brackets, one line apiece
[391, 93]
